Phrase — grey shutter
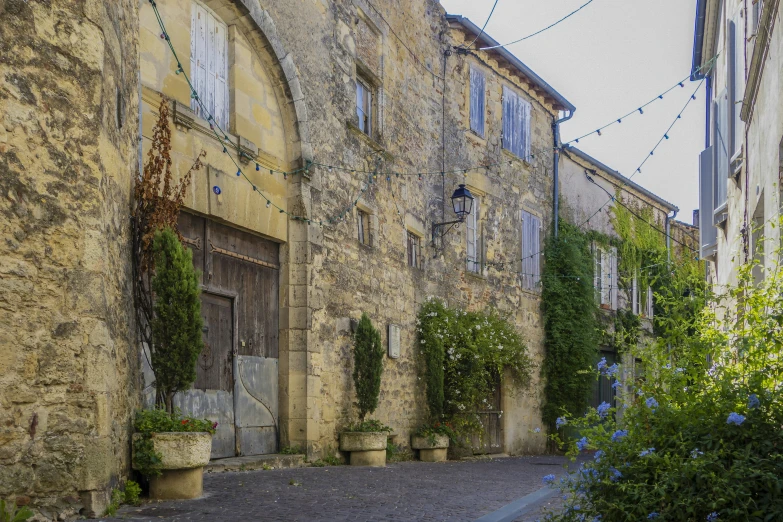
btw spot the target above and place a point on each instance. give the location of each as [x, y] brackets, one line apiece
[613, 278]
[525, 129]
[707, 231]
[721, 149]
[477, 89]
[635, 294]
[508, 116]
[535, 246]
[736, 83]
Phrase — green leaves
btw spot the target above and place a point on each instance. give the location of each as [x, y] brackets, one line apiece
[368, 357]
[465, 354]
[177, 322]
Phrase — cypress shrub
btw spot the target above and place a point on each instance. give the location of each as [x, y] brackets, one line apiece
[368, 365]
[177, 322]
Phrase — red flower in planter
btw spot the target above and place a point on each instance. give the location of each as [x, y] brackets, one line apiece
[214, 425]
[184, 421]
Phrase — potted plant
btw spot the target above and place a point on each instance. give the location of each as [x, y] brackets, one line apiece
[432, 441]
[169, 449]
[366, 440]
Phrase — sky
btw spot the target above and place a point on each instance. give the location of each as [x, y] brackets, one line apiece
[607, 60]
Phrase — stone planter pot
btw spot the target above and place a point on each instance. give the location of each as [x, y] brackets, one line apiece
[431, 450]
[183, 457]
[367, 448]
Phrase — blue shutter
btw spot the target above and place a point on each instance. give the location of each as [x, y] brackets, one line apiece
[477, 89]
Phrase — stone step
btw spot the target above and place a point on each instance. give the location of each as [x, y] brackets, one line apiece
[254, 462]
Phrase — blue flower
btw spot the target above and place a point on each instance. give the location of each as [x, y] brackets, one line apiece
[619, 434]
[597, 518]
[548, 479]
[712, 517]
[560, 422]
[615, 474]
[589, 472]
[602, 364]
[646, 452]
[598, 455]
[616, 384]
[581, 444]
[612, 370]
[696, 453]
[753, 401]
[653, 515]
[603, 409]
[735, 418]
[651, 403]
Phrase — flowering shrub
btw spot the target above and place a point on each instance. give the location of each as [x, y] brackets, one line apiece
[697, 440]
[465, 354]
[429, 431]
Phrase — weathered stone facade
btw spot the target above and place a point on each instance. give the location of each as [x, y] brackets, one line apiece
[72, 375]
[68, 151]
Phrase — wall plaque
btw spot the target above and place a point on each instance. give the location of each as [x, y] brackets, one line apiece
[394, 341]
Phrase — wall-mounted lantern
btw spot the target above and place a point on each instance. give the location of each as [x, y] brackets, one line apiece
[462, 201]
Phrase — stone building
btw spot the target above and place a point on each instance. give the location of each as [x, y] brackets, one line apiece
[350, 124]
[335, 133]
[737, 54]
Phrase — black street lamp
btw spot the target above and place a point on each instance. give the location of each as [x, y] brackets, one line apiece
[462, 201]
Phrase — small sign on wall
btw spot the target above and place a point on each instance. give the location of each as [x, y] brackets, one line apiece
[394, 341]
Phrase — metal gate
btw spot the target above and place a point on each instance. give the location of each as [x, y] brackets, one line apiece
[237, 373]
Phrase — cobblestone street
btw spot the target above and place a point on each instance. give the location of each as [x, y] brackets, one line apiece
[454, 491]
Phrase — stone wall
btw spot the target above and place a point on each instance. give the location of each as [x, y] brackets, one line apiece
[68, 151]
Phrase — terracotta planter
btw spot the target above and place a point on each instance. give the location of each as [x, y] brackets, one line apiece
[183, 457]
[431, 449]
[366, 448]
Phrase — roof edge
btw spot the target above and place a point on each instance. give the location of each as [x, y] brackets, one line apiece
[516, 62]
[626, 181]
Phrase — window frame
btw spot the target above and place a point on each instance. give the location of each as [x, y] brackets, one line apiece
[414, 254]
[477, 116]
[516, 134]
[474, 263]
[531, 250]
[365, 120]
[209, 89]
[363, 227]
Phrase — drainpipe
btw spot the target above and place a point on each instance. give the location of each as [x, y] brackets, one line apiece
[556, 168]
[669, 237]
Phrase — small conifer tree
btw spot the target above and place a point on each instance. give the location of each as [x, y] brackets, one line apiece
[177, 322]
[368, 365]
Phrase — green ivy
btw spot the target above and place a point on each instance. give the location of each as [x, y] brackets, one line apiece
[465, 354]
[627, 330]
[570, 323]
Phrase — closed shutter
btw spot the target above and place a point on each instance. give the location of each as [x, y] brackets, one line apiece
[635, 294]
[509, 112]
[516, 124]
[613, 282]
[707, 231]
[596, 271]
[477, 90]
[531, 247]
[526, 111]
[649, 303]
[209, 64]
[535, 244]
[473, 238]
[605, 282]
[736, 81]
[721, 149]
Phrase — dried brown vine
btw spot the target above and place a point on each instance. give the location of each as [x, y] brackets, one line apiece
[157, 201]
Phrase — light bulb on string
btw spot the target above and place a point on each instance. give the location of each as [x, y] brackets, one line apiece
[268, 203]
[258, 167]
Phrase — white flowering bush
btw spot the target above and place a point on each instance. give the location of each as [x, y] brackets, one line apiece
[465, 354]
[701, 436]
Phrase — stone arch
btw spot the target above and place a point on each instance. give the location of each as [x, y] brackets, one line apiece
[258, 26]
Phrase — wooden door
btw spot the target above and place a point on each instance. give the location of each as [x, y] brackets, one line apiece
[490, 440]
[240, 285]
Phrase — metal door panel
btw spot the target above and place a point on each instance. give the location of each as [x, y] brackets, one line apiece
[217, 406]
[255, 392]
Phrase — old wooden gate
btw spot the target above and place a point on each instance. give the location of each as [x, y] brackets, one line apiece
[491, 438]
[237, 373]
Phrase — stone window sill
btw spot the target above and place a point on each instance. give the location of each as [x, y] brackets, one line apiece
[516, 158]
[369, 140]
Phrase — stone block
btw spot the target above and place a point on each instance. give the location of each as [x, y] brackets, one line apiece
[374, 458]
[176, 484]
[433, 455]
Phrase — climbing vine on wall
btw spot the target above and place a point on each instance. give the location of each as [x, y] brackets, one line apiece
[570, 323]
[464, 356]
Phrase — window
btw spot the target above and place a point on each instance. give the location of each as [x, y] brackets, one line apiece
[638, 306]
[209, 64]
[414, 250]
[363, 218]
[605, 276]
[758, 7]
[474, 238]
[516, 124]
[736, 82]
[364, 106]
[477, 83]
[531, 251]
[757, 240]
